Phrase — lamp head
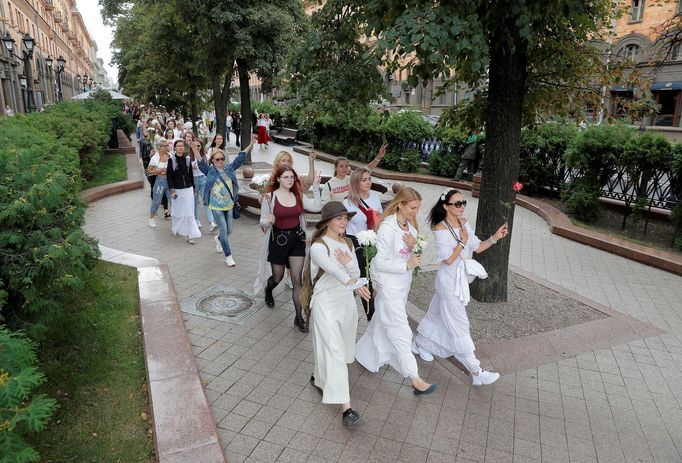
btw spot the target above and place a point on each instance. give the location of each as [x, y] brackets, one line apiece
[28, 43]
[9, 42]
[61, 62]
[49, 61]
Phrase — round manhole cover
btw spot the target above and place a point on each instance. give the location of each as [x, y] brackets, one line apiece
[228, 304]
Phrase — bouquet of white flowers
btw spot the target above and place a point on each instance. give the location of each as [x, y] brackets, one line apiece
[368, 240]
[418, 249]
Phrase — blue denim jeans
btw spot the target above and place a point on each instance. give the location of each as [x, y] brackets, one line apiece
[159, 191]
[224, 221]
[199, 185]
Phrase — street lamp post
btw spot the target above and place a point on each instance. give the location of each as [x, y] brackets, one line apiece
[26, 55]
[49, 61]
[61, 62]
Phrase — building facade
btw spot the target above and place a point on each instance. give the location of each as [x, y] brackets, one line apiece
[648, 32]
[29, 81]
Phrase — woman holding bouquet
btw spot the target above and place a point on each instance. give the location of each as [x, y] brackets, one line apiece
[444, 331]
[367, 209]
[388, 338]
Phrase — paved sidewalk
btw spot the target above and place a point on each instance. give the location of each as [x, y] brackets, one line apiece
[617, 404]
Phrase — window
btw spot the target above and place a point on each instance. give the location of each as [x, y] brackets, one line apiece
[631, 52]
[637, 10]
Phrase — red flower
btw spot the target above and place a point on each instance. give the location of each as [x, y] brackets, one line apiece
[517, 186]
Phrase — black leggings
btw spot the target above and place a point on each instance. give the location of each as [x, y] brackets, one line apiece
[296, 272]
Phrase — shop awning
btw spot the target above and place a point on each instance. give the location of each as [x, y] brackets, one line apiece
[660, 86]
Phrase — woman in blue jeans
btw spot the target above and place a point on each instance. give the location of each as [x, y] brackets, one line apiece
[157, 166]
[196, 149]
[221, 192]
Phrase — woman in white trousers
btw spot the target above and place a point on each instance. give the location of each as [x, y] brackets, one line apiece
[388, 339]
[333, 269]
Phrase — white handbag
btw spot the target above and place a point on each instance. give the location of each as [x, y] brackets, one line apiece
[473, 268]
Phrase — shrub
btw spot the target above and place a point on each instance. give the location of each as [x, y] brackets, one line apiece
[676, 187]
[582, 201]
[443, 163]
[44, 250]
[541, 158]
[405, 127]
[21, 412]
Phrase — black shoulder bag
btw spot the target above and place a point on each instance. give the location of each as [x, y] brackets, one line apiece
[236, 208]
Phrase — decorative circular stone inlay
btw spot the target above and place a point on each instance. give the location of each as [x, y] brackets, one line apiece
[227, 303]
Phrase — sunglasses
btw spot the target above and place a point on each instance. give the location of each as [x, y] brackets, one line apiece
[287, 177]
[458, 203]
[218, 159]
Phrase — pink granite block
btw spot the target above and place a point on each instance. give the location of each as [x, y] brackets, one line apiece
[156, 291]
[209, 453]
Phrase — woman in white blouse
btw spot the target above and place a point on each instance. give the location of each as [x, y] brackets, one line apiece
[388, 339]
[334, 312]
[367, 207]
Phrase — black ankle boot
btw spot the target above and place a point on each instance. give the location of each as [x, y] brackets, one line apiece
[300, 322]
[269, 299]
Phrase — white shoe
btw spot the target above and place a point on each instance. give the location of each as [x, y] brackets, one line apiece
[212, 226]
[230, 261]
[287, 281]
[424, 354]
[484, 377]
[218, 246]
[198, 224]
[190, 240]
[152, 222]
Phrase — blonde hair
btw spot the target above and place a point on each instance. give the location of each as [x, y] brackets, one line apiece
[213, 153]
[278, 159]
[404, 196]
[355, 179]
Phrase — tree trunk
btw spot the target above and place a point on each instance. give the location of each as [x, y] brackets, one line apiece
[501, 167]
[221, 96]
[245, 108]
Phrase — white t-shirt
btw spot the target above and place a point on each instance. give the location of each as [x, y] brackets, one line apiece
[228, 121]
[156, 162]
[359, 221]
[335, 189]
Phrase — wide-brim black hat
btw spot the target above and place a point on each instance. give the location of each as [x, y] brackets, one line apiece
[332, 209]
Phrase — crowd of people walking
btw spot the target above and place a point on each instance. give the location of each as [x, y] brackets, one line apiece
[330, 267]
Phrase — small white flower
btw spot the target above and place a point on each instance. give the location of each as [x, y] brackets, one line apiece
[367, 238]
[421, 244]
[261, 180]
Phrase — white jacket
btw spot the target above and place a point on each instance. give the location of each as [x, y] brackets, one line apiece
[389, 266]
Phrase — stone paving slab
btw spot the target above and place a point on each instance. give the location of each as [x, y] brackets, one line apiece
[617, 403]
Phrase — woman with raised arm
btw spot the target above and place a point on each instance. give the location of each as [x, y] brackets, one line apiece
[388, 338]
[444, 331]
[283, 220]
[337, 187]
[333, 271]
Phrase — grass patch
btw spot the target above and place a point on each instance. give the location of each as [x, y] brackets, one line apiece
[111, 169]
[95, 369]
[622, 235]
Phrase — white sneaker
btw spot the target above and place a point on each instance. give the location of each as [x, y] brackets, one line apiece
[424, 354]
[212, 226]
[484, 377]
[190, 240]
[152, 222]
[287, 281]
[218, 246]
[198, 224]
[230, 261]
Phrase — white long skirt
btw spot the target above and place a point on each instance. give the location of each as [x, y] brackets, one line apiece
[334, 327]
[388, 339]
[444, 330]
[182, 214]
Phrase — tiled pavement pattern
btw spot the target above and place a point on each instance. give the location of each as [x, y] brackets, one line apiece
[612, 405]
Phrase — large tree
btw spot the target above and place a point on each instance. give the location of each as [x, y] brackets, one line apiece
[509, 47]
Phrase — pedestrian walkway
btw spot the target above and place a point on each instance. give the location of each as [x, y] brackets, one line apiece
[618, 404]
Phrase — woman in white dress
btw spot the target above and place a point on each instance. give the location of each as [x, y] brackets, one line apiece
[334, 311]
[181, 186]
[444, 331]
[388, 338]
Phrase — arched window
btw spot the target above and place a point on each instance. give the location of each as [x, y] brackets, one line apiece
[631, 52]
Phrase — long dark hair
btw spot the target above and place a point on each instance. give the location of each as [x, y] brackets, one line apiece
[222, 145]
[438, 213]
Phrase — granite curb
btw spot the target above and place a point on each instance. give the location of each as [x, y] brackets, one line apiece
[558, 222]
[184, 426]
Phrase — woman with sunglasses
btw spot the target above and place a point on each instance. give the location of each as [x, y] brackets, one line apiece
[221, 193]
[197, 153]
[283, 220]
[159, 184]
[444, 331]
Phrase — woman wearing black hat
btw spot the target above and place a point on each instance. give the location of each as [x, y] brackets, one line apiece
[333, 269]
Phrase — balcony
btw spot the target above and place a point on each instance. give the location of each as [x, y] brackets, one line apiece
[49, 5]
[65, 26]
[71, 35]
[57, 15]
